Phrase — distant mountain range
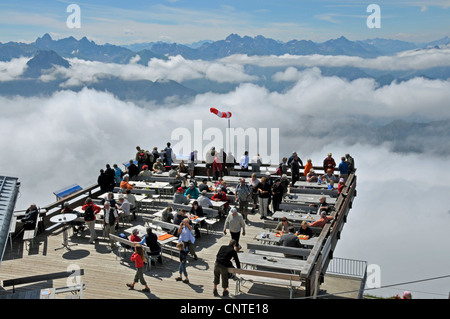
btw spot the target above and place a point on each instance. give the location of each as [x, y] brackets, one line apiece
[208, 50]
[45, 53]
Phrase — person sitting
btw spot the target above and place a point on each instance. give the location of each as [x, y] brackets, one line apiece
[192, 192]
[203, 186]
[178, 217]
[167, 215]
[204, 200]
[218, 197]
[283, 225]
[331, 186]
[74, 224]
[290, 240]
[132, 200]
[322, 221]
[30, 218]
[179, 198]
[145, 174]
[124, 184]
[329, 176]
[311, 177]
[323, 205]
[305, 230]
[135, 236]
[158, 167]
[151, 240]
[196, 209]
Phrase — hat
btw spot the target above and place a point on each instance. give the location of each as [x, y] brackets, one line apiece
[144, 167]
[180, 189]
[233, 210]
[192, 184]
[341, 180]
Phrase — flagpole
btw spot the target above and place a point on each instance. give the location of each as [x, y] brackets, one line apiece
[229, 135]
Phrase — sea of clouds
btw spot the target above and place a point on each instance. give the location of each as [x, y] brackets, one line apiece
[399, 219]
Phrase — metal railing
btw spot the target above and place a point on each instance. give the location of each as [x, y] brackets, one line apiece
[347, 267]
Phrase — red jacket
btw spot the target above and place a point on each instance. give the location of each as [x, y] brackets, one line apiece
[137, 260]
[95, 208]
[223, 198]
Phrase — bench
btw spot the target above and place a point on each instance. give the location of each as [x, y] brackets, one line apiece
[299, 190]
[210, 214]
[272, 224]
[67, 191]
[132, 244]
[38, 278]
[293, 251]
[289, 207]
[30, 234]
[137, 191]
[292, 281]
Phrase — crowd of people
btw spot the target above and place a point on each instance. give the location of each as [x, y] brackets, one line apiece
[260, 194]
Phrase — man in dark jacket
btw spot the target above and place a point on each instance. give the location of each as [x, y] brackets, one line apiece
[151, 240]
[223, 262]
[30, 218]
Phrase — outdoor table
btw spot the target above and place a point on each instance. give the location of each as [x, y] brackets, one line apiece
[294, 265]
[295, 216]
[274, 239]
[64, 219]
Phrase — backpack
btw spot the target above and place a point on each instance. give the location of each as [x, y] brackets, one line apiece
[122, 235]
[279, 172]
[89, 214]
[142, 158]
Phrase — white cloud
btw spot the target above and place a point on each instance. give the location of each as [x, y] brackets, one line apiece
[407, 60]
[12, 70]
[53, 142]
[175, 68]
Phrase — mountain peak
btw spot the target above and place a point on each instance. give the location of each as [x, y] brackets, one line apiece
[44, 60]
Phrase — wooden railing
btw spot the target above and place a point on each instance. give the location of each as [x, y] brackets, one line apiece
[321, 254]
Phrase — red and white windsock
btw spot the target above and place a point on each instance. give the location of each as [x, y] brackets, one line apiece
[224, 115]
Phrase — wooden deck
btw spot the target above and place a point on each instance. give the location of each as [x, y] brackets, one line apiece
[106, 274]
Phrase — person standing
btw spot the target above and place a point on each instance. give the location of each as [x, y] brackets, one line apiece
[223, 262]
[168, 155]
[235, 222]
[185, 235]
[182, 268]
[90, 210]
[139, 260]
[209, 159]
[111, 217]
[277, 191]
[244, 161]
[242, 196]
[329, 163]
[264, 192]
[295, 169]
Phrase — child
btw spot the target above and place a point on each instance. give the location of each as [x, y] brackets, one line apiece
[139, 260]
[341, 185]
[183, 258]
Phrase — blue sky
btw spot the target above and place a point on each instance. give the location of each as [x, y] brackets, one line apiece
[187, 21]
